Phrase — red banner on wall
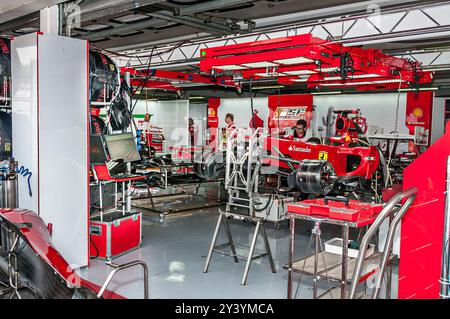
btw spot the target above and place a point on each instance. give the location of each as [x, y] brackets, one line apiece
[213, 106]
[418, 110]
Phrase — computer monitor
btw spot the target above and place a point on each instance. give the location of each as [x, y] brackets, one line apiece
[122, 147]
[97, 150]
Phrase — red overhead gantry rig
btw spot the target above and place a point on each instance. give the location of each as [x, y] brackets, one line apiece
[170, 80]
[315, 62]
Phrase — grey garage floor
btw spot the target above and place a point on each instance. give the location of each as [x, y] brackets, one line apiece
[175, 251]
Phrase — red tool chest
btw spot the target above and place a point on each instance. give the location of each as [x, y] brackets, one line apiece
[115, 235]
[351, 211]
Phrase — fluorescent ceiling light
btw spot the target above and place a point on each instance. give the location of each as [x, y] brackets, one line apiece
[299, 72]
[328, 70]
[257, 65]
[291, 61]
[327, 93]
[230, 67]
[196, 98]
[363, 76]
[268, 87]
[420, 89]
[388, 81]
[268, 75]
[364, 83]
[332, 78]
[26, 30]
[300, 80]
[358, 76]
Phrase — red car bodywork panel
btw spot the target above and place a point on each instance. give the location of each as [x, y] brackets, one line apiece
[422, 226]
[336, 155]
[40, 241]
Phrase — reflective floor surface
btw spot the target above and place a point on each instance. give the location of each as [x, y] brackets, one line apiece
[175, 251]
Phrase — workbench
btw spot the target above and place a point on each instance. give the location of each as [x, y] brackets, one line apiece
[328, 266]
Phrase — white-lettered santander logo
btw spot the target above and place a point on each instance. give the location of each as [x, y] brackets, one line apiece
[294, 148]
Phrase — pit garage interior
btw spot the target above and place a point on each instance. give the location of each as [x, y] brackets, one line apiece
[223, 149]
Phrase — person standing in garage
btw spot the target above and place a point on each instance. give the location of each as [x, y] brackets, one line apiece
[193, 132]
[144, 127]
[146, 123]
[299, 131]
[229, 121]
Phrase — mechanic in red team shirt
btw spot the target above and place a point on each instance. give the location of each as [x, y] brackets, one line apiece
[229, 121]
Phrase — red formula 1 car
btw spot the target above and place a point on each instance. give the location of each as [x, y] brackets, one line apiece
[346, 161]
[322, 169]
[41, 271]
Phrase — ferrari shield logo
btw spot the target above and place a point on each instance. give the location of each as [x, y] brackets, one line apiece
[323, 156]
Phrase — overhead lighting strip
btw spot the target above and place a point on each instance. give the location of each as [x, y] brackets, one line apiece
[268, 74]
[357, 76]
[328, 70]
[365, 83]
[301, 79]
[258, 65]
[292, 61]
[299, 72]
[230, 67]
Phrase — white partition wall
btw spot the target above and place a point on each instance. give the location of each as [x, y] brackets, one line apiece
[50, 136]
[24, 116]
[172, 116]
[373, 106]
[242, 111]
[379, 108]
[438, 119]
[199, 114]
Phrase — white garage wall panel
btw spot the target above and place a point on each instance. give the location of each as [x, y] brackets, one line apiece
[51, 98]
[25, 114]
[63, 143]
[379, 109]
[241, 108]
[199, 113]
[171, 115]
[163, 115]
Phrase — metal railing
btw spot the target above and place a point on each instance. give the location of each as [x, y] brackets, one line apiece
[389, 211]
[444, 280]
[118, 268]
